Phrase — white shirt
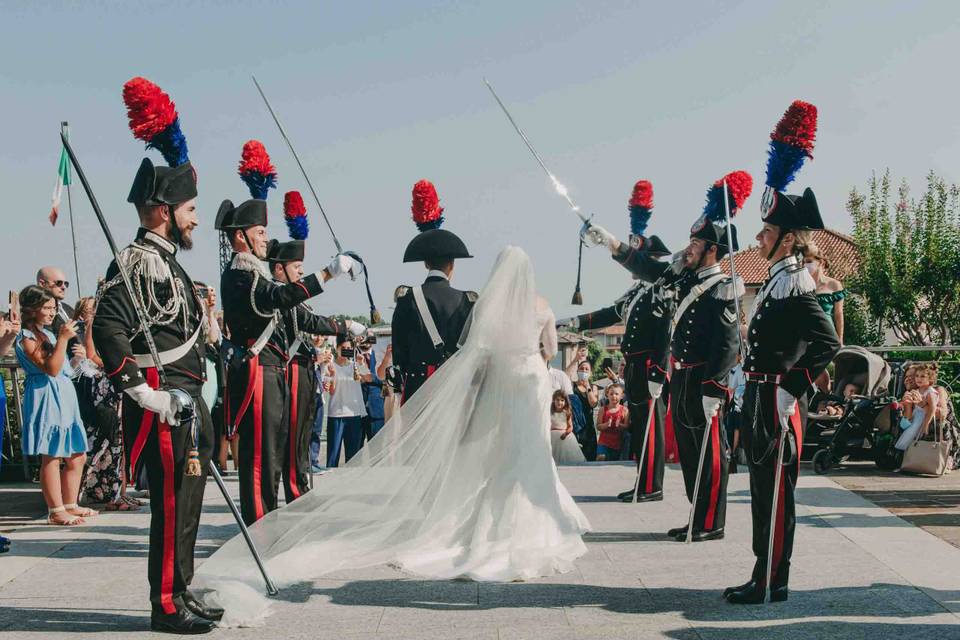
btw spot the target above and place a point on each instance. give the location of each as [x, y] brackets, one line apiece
[347, 398]
[560, 380]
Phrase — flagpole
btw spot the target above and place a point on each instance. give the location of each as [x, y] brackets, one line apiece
[65, 130]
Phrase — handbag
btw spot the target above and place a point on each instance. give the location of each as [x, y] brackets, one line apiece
[925, 457]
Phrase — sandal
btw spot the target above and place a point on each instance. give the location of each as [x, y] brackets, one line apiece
[121, 505]
[71, 520]
[81, 512]
[133, 502]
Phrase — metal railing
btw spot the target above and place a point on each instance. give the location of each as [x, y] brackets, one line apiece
[13, 380]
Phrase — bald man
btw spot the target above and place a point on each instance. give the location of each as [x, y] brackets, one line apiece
[55, 281]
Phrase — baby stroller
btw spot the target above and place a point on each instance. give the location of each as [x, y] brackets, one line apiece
[861, 430]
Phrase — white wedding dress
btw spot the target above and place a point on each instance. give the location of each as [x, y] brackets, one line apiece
[460, 483]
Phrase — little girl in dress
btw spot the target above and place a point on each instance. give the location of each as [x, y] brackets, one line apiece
[565, 449]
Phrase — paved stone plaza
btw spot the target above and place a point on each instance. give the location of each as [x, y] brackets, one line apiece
[859, 572]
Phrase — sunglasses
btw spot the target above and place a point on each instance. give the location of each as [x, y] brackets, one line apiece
[60, 283]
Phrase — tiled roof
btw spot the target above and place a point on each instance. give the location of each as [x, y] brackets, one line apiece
[839, 249]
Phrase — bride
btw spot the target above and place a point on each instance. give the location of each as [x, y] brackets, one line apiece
[459, 484]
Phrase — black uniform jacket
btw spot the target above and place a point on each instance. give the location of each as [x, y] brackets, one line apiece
[706, 334]
[302, 321]
[251, 299]
[645, 310]
[151, 263]
[413, 351]
[789, 334]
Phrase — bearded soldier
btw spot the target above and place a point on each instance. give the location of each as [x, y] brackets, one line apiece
[175, 456]
[704, 348]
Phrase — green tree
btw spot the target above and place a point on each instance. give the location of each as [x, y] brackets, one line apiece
[909, 274]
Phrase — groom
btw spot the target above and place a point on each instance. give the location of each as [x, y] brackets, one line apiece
[429, 318]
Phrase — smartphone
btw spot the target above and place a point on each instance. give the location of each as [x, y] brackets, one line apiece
[14, 304]
[606, 364]
[347, 353]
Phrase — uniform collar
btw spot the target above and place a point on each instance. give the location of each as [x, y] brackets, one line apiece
[156, 240]
[706, 272]
[783, 264]
[436, 273]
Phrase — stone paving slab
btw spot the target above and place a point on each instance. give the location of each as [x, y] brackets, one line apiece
[859, 572]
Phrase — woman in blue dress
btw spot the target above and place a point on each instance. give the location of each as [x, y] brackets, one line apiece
[52, 428]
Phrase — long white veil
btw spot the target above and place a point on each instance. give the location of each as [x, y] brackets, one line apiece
[459, 483]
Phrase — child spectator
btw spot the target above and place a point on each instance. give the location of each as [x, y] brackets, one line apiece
[565, 448]
[919, 406]
[614, 420]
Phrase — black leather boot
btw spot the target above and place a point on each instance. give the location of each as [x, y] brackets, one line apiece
[703, 536]
[739, 587]
[656, 496]
[678, 531]
[624, 495]
[754, 593]
[183, 622]
[198, 608]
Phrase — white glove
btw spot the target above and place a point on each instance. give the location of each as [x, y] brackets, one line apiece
[340, 265]
[161, 403]
[572, 323]
[355, 328]
[711, 406]
[597, 236]
[786, 405]
[655, 389]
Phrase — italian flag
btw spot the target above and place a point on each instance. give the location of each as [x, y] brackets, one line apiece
[63, 179]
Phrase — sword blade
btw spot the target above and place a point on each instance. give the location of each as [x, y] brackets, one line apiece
[557, 185]
[313, 192]
[733, 269]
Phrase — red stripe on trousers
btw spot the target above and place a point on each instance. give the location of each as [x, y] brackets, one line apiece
[651, 444]
[252, 372]
[778, 531]
[292, 475]
[153, 379]
[715, 471]
[257, 439]
[169, 518]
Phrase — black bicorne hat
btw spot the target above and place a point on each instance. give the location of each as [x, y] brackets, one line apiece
[248, 214]
[163, 185]
[791, 212]
[655, 247]
[291, 251]
[435, 244]
[716, 234]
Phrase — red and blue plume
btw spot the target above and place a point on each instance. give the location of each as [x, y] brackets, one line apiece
[256, 171]
[426, 209]
[641, 207]
[791, 143]
[739, 187]
[153, 119]
[295, 214]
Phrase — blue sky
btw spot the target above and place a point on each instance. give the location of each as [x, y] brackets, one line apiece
[378, 95]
